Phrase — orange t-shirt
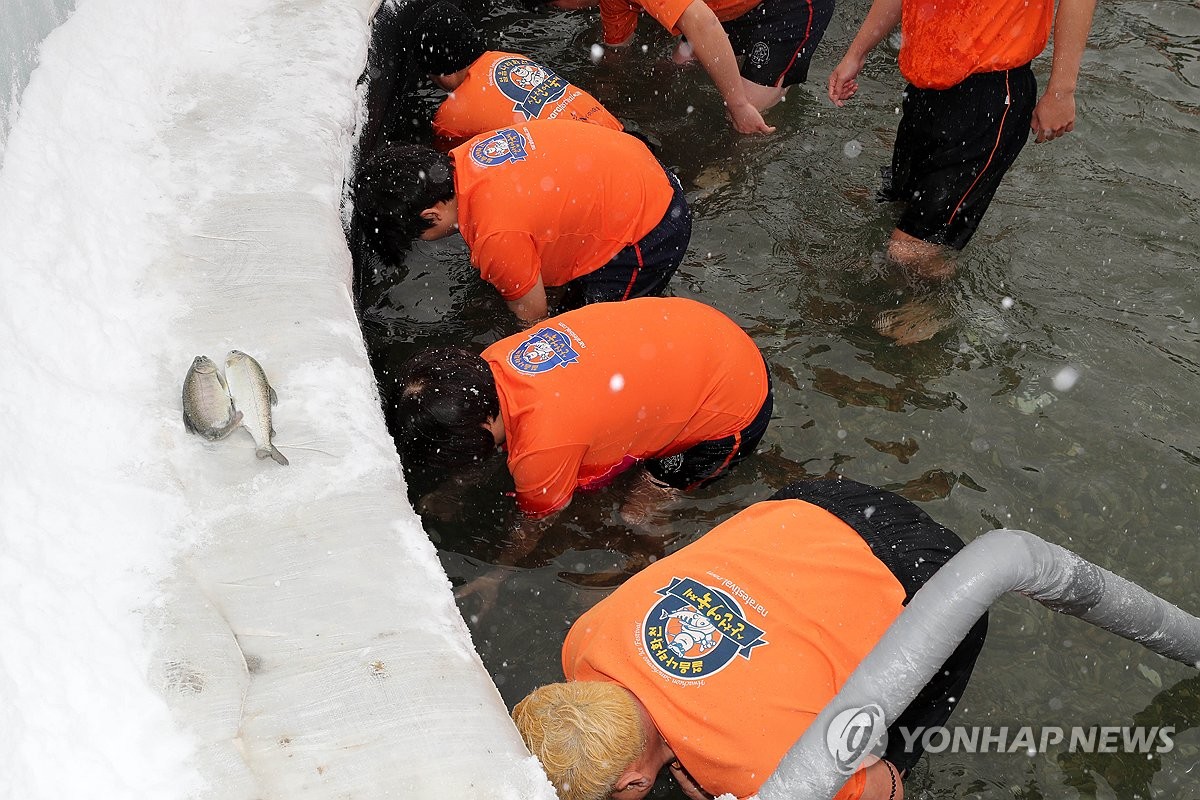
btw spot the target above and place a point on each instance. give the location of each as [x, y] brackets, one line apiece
[945, 41]
[619, 17]
[736, 642]
[505, 88]
[559, 200]
[590, 390]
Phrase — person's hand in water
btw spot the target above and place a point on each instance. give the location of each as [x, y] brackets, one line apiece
[486, 588]
[745, 118]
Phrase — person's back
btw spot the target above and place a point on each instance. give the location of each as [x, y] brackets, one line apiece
[965, 37]
[589, 392]
[501, 89]
[765, 615]
[557, 197]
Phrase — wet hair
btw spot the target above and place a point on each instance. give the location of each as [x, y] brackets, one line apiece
[392, 186]
[585, 733]
[444, 40]
[445, 396]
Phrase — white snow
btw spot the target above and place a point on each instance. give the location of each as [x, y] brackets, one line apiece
[178, 618]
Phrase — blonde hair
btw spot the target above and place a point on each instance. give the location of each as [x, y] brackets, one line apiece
[585, 733]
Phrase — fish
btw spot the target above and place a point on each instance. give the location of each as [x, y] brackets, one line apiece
[207, 407]
[253, 397]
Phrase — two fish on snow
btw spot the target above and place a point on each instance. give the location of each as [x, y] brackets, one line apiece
[214, 406]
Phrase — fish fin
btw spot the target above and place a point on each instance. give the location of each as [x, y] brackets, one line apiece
[271, 451]
[274, 397]
[187, 423]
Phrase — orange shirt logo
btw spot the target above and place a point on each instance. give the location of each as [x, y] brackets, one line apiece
[543, 351]
[529, 85]
[695, 631]
[499, 148]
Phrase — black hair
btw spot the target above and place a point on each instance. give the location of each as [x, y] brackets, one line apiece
[445, 41]
[444, 397]
[392, 186]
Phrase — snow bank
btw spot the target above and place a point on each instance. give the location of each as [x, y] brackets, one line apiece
[178, 618]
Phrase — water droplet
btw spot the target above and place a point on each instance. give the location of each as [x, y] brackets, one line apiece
[1066, 379]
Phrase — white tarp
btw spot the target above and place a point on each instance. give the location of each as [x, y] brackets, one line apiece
[178, 618]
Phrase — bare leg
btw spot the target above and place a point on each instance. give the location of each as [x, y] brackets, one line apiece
[645, 499]
[919, 318]
[919, 258]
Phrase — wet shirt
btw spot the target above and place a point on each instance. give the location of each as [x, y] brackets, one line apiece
[588, 392]
[945, 41]
[506, 88]
[553, 199]
[619, 17]
[736, 642]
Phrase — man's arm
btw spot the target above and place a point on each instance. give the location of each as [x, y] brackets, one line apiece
[712, 48]
[530, 307]
[1054, 114]
[881, 19]
[510, 261]
[883, 782]
[523, 536]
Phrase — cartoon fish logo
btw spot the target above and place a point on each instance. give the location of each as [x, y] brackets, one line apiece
[694, 630]
[528, 84]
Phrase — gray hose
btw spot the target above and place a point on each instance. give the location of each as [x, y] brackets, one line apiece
[942, 612]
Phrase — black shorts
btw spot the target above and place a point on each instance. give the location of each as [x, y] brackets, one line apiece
[703, 463]
[952, 148]
[777, 39]
[642, 269]
[913, 547]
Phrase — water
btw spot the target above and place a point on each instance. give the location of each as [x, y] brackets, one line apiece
[1087, 261]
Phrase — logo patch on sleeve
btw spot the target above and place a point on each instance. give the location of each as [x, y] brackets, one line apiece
[530, 86]
[543, 351]
[695, 630]
[501, 147]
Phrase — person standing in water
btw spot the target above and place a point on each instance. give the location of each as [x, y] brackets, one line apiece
[969, 107]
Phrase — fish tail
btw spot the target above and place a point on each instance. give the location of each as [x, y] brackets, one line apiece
[271, 451]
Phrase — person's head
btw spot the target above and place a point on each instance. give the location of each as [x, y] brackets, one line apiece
[447, 400]
[405, 192]
[445, 42]
[585, 733]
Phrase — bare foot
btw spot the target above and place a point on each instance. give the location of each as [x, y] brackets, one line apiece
[915, 321]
